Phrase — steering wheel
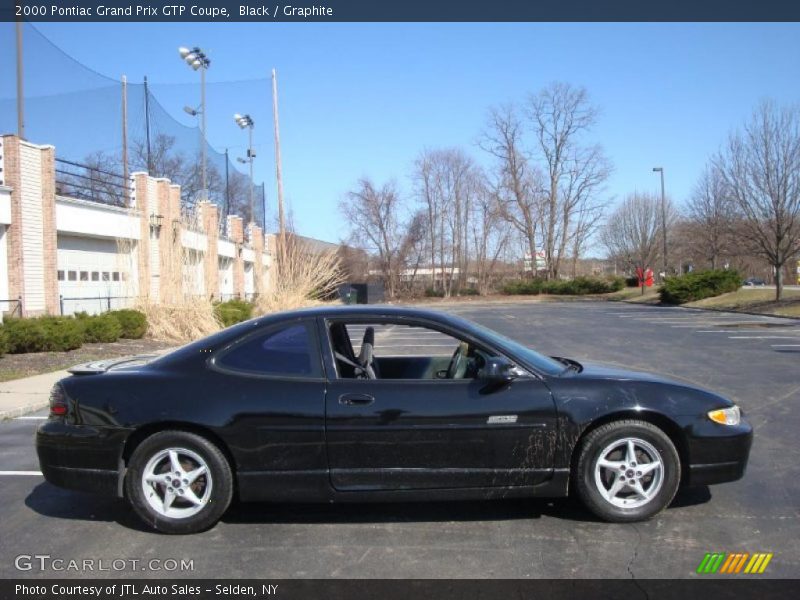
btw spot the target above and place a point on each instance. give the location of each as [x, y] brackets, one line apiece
[458, 364]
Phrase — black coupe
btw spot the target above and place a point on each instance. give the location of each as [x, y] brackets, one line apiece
[379, 403]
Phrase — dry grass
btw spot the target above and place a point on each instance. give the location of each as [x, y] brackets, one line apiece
[758, 300]
[301, 278]
[191, 319]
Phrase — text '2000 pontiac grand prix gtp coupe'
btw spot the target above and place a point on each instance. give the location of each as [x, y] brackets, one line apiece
[379, 403]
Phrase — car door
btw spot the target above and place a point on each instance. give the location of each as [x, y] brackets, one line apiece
[391, 434]
[274, 391]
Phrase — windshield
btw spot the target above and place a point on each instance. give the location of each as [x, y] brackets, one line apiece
[540, 362]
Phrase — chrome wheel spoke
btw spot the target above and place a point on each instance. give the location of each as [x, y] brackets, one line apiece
[191, 476]
[175, 464]
[615, 488]
[630, 456]
[636, 486]
[614, 465]
[192, 497]
[649, 467]
[169, 498]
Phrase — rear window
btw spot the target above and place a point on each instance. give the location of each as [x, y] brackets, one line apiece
[286, 351]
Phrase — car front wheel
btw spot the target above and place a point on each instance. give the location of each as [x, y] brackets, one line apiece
[179, 482]
[627, 471]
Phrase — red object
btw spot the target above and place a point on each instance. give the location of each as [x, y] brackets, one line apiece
[645, 277]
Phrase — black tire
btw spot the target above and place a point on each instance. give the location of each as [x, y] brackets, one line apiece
[590, 452]
[220, 480]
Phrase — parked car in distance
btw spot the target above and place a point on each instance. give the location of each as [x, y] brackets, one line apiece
[754, 282]
[368, 403]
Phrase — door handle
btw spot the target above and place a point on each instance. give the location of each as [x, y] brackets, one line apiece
[356, 399]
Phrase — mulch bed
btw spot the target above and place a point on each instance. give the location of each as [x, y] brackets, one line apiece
[15, 366]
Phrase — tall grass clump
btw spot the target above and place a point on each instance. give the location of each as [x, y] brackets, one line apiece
[181, 322]
[301, 277]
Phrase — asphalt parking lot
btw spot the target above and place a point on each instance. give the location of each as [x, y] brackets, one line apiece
[754, 360]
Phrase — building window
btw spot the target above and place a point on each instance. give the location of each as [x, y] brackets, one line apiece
[61, 275]
[84, 275]
[115, 275]
[124, 276]
[95, 276]
[72, 276]
[106, 276]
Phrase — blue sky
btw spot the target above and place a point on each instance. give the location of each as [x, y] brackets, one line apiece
[364, 99]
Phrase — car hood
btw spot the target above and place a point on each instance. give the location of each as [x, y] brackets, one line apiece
[113, 364]
[593, 370]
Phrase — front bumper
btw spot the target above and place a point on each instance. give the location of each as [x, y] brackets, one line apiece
[79, 458]
[717, 453]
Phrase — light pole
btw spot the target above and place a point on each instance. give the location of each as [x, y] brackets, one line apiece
[196, 59]
[660, 170]
[246, 122]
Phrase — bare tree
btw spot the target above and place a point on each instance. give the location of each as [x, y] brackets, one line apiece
[374, 217]
[519, 184]
[760, 166]
[561, 115]
[447, 181]
[711, 214]
[633, 231]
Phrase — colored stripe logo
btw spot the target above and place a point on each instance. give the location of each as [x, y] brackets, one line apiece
[732, 563]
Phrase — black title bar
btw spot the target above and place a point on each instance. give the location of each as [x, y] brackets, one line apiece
[738, 588]
[227, 11]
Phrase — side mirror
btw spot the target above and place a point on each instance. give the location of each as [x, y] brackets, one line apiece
[497, 369]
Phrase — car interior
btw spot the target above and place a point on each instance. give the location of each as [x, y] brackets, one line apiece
[392, 351]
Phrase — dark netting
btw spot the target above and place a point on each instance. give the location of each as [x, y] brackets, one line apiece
[79, 111]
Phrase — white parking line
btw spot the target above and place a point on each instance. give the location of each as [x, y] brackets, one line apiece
[29, 418]
[29, 473]
[761, 337]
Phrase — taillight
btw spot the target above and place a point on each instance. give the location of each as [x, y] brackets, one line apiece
[58, 402]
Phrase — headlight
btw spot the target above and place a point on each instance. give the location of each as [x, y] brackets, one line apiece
[726, 416]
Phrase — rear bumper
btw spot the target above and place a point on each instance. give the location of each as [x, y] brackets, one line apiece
[78, 458]
[718, 453]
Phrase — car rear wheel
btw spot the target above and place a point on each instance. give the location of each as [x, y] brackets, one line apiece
[179, 482]
[627, 471]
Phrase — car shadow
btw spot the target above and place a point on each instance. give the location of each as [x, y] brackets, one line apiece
[50, 501]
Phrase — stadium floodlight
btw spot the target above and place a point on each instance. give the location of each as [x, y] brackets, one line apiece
[197, 60]
[246, 122]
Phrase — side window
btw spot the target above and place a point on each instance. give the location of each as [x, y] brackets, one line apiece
[286, 351]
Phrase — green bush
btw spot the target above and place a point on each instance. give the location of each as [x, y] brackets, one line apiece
[434, 293]
[233, 311]
[103, 328]
[523, 287]
[43, 334]
[3, 341]
[468, 292]
[63, 333]
[566, 287]
[696, 286]
[25, 335]
[133, 322]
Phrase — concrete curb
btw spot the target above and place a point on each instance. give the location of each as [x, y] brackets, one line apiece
[20, 411]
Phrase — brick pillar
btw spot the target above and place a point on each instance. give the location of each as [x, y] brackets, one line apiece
[255, 236]
[166, 284]
[209, 216]
[236, 234]
[49, 232]
[13, 179]
[143, 248]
